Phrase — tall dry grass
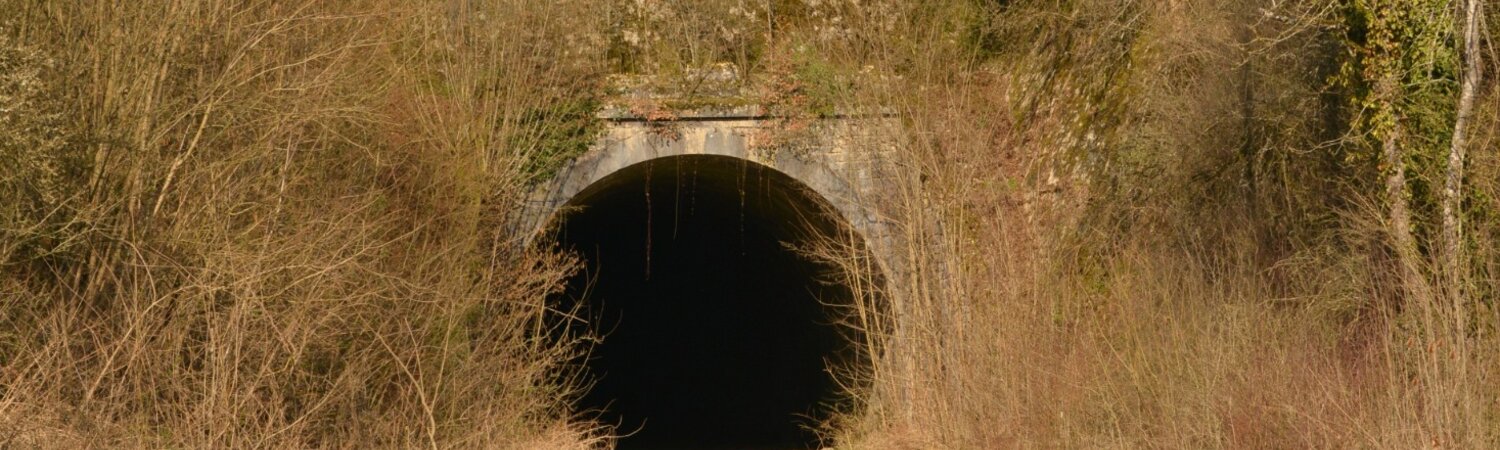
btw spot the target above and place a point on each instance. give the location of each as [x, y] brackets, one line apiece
[281, 224]
[1123, 228]
[1120, 223]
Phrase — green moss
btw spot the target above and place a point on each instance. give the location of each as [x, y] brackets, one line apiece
[556, 134]
[822, 82]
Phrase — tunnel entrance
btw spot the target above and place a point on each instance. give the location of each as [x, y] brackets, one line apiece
[714, 333]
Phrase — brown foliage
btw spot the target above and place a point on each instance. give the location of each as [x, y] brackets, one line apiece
[281, 225]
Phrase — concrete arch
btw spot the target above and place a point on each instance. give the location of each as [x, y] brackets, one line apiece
[839, 166]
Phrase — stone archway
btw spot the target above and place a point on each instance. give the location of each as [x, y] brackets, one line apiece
[716, 333]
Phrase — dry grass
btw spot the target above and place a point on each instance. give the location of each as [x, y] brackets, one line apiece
[1096, 259]
[281, 224]
[287, 224]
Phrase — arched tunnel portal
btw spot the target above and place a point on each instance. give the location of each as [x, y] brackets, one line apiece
[716, 331]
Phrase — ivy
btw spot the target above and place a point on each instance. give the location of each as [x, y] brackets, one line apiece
[1400, 80]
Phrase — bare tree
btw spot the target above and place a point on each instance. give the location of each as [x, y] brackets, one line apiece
[1453, 188]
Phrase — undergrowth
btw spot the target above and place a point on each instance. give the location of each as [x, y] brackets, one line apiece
[1117, 223]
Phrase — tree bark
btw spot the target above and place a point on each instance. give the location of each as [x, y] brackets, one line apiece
[1452, 201]
[1405, 245]
[1400, 211]
[1453, 266]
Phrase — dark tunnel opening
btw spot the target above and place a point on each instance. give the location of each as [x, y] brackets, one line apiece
[715, 333]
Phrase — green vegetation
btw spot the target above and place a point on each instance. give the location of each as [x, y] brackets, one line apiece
[568, 127]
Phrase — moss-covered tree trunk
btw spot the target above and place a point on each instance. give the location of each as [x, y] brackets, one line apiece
[1384, 72]
[1398, 203]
